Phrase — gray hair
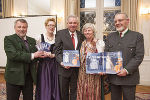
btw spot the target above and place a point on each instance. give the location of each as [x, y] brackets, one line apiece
[89, 25]
[72, 16]
[121, 13]
[20, 20]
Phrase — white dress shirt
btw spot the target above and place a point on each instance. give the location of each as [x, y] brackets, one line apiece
[75, 37]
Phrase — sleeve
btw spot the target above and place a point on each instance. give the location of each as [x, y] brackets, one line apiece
[58, 48]
[38, 39]
[100, 45]
[15, 52]
[137, 59]
[106, 48]
[82, 53]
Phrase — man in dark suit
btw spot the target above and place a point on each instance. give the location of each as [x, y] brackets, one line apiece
[20, 68]
[131, 44]
[67, 75]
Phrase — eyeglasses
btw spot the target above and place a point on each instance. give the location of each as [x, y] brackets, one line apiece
[50, 25]
[119, 20]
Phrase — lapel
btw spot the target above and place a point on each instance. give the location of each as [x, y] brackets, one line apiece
[116, 36]
[29, 43]
[68, 37]
[21, 42]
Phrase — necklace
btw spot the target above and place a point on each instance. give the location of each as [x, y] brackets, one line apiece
[50, 38]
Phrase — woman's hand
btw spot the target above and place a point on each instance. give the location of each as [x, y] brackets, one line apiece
[49, 54]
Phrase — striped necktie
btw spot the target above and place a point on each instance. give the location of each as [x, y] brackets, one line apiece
[26, 44]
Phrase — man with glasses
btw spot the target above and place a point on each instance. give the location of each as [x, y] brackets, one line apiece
[131, 44]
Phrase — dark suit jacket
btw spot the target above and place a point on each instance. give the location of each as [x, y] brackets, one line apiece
[132, 47]
[19, 59]
[64, 42]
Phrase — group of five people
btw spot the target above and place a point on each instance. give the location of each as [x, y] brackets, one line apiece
[54, 81]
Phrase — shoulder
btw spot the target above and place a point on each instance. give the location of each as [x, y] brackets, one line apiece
[61, 34]
[78, 32]
[38, 37]
[31, 39]
[62, 31]
[112, 34]
[80, 35]
[100, 42]
[135, 33]
[13, 36]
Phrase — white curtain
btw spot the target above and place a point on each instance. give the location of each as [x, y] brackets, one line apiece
[7, 8]
[130, 7]
[71, 8]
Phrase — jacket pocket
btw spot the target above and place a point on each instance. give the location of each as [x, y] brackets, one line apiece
[14, 69]
[132, 48]
[111, 48]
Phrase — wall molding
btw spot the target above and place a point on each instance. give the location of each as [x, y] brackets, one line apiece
[145, 83]
[144, 71]
[146, 58]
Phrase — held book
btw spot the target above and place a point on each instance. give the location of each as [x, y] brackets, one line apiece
[43, 46]
[106, 62]
[71, 58]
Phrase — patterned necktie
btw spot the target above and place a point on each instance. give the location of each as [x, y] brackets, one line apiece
[73, 40]
[26, 43]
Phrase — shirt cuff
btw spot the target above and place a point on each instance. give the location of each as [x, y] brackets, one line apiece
[126, 71]
[32, 56]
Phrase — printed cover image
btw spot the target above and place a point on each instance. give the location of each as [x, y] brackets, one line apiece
[71, 58]
[107, 62]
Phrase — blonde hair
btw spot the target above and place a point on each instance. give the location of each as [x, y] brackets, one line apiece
[49, 19]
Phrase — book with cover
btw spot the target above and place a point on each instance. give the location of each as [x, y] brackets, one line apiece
[71, 58]
[43, 46]
[106, 62]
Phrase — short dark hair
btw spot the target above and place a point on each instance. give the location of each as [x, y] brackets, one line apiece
[20, 20]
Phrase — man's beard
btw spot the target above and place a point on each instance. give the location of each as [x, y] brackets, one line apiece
[120, 29]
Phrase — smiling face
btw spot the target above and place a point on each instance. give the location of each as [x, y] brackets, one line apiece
[21, 29]
[121, 22]
[88, 33]
[50, 27]
[72, 24]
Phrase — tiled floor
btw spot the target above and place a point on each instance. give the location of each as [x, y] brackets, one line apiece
[3, 89]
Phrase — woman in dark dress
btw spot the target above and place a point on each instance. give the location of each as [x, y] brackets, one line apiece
[47, 76]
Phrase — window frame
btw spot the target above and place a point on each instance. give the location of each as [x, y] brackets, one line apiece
[99, 9]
